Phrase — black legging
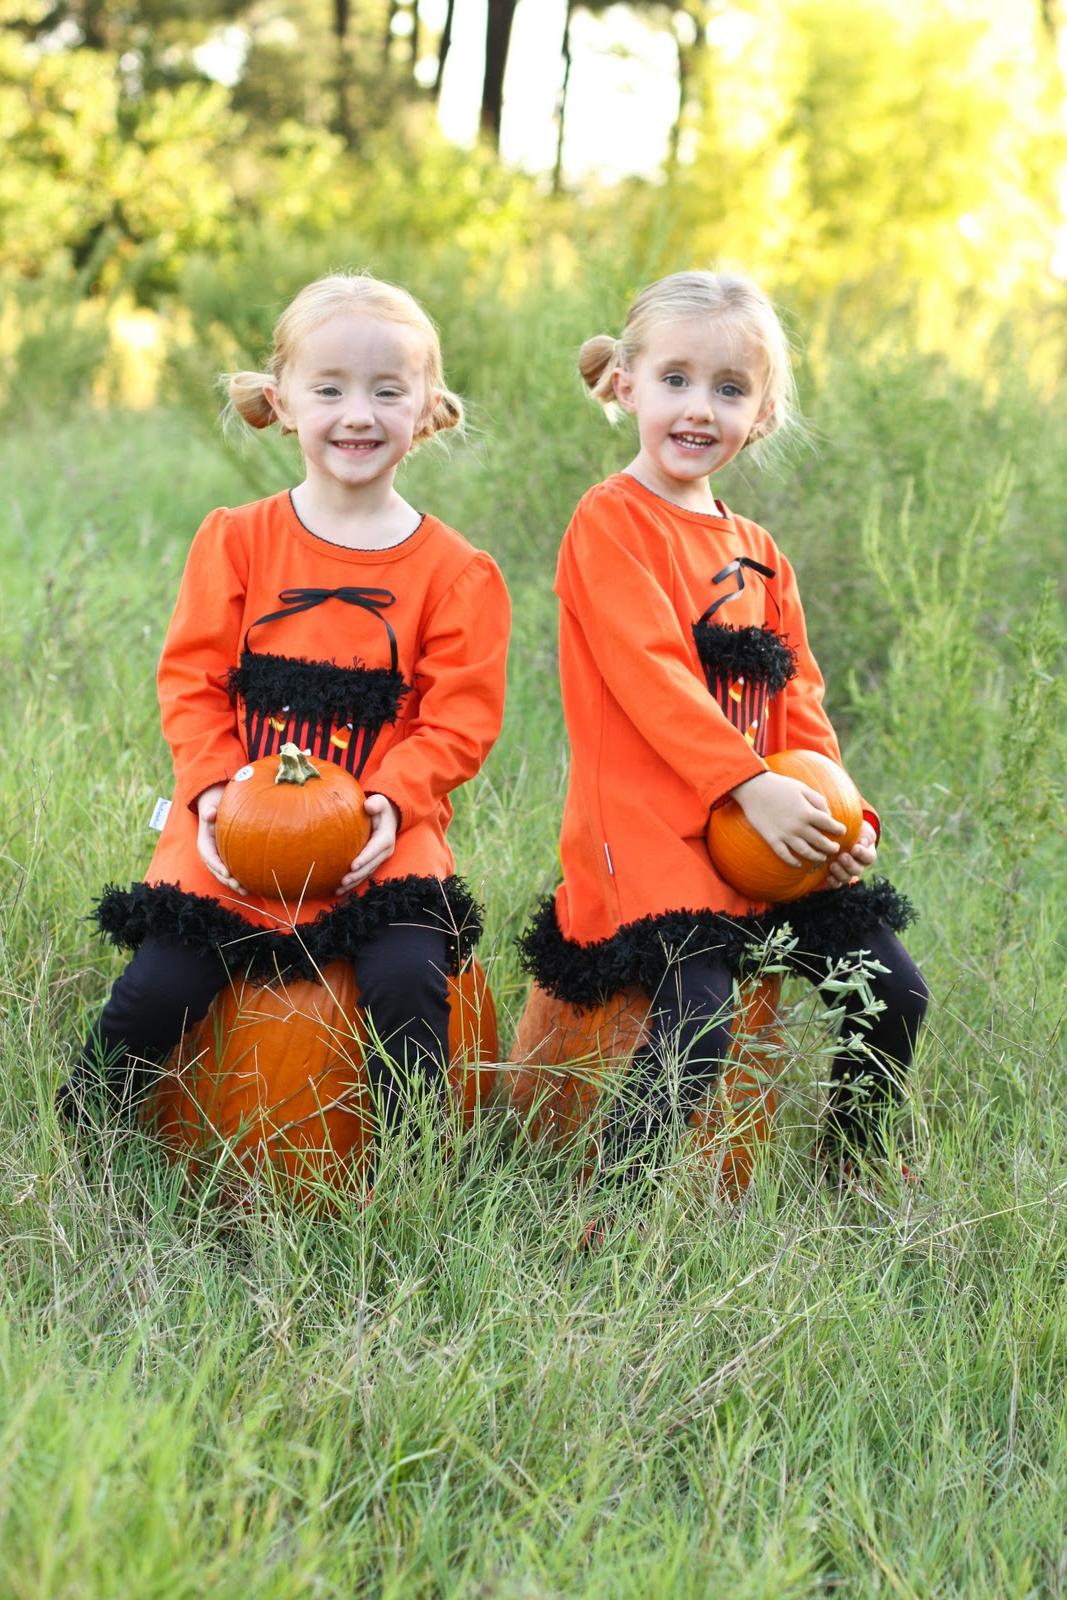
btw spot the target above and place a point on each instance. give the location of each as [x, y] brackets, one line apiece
[166, 988]
[691, 1018]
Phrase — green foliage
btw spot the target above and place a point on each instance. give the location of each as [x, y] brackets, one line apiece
[854, 156]
[85, 165]
[1026, 797]
[934, 590]
[53, 343]
[875, 152]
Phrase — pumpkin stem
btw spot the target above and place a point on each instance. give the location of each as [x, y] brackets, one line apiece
[294, 766]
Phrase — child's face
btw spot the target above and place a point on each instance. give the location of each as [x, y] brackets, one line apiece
[696, 390]
[354, 394]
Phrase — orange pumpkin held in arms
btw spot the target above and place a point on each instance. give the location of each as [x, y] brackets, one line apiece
[747, 862]
[289, 827]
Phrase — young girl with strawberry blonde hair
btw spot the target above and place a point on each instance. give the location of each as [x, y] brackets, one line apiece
[684, 663]
[336, 616]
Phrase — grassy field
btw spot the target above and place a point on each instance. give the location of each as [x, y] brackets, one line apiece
[437, 1395]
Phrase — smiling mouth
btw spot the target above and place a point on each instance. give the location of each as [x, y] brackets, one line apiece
[694, 441]
[355, 444]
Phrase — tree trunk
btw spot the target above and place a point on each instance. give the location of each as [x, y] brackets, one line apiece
[94, 26]
[690, 72]
[561, 110]
[683, 95]
[500, 16]
[343, 109]
[443, 49]
[387, 36]
[413, 39]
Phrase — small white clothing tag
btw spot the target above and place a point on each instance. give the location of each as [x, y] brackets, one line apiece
[160, 813]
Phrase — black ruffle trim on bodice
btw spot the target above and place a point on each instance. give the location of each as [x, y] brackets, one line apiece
[754, 653]
[828, 924]
[319, 691]
[162, 910]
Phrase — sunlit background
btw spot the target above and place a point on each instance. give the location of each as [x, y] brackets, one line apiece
[873, 160]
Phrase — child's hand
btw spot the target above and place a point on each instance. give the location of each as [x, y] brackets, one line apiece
[207, 805]
[853, 863]
[384, 821]
[793, 818]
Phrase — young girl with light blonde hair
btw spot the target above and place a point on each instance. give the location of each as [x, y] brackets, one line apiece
[337, 616]
[684, 663]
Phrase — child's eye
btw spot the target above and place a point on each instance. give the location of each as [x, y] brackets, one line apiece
[328, 391]
[733, 391]
[390, 394]
[675, 379]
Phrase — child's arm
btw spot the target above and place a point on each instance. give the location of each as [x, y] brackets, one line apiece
[202, 644]
[793, 818]
[207, 807]
[384, 825]
[461, 680]
[854, 863]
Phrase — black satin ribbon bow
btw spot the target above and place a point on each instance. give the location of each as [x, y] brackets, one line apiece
[373, 600]
[734, 568]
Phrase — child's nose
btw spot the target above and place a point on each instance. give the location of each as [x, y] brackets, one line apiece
[358, 412]
[700, 403]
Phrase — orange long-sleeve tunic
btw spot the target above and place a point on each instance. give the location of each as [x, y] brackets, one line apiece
[684, 661]
[390, 662]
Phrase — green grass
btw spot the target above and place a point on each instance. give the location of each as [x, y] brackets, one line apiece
[437, 1395]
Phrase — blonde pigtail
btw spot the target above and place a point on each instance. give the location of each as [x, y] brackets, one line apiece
[446, 412]
[248, 400]
[598, 361]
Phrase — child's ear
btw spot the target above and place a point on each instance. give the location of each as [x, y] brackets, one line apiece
[763, 425]
[622, 381]
[273, 398]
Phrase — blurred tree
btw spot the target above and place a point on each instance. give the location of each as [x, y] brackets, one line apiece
[867, 148]
[594, 7]
[83, 165]
[689, 24]
[334, 67]
[152, 42]
[443, 47]
[500, 14]
[856, 150]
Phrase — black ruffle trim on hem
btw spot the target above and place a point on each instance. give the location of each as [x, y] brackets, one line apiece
[827, 924]
[161, 910]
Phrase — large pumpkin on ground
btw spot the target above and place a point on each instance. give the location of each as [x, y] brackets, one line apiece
[561, 1056]
[748, 863]
[275, 1075]
[288, 826]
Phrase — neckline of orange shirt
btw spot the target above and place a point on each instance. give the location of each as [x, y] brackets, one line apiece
[702, 518]
[345, 552]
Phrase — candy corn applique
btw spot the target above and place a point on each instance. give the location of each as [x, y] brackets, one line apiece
[744, 669]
